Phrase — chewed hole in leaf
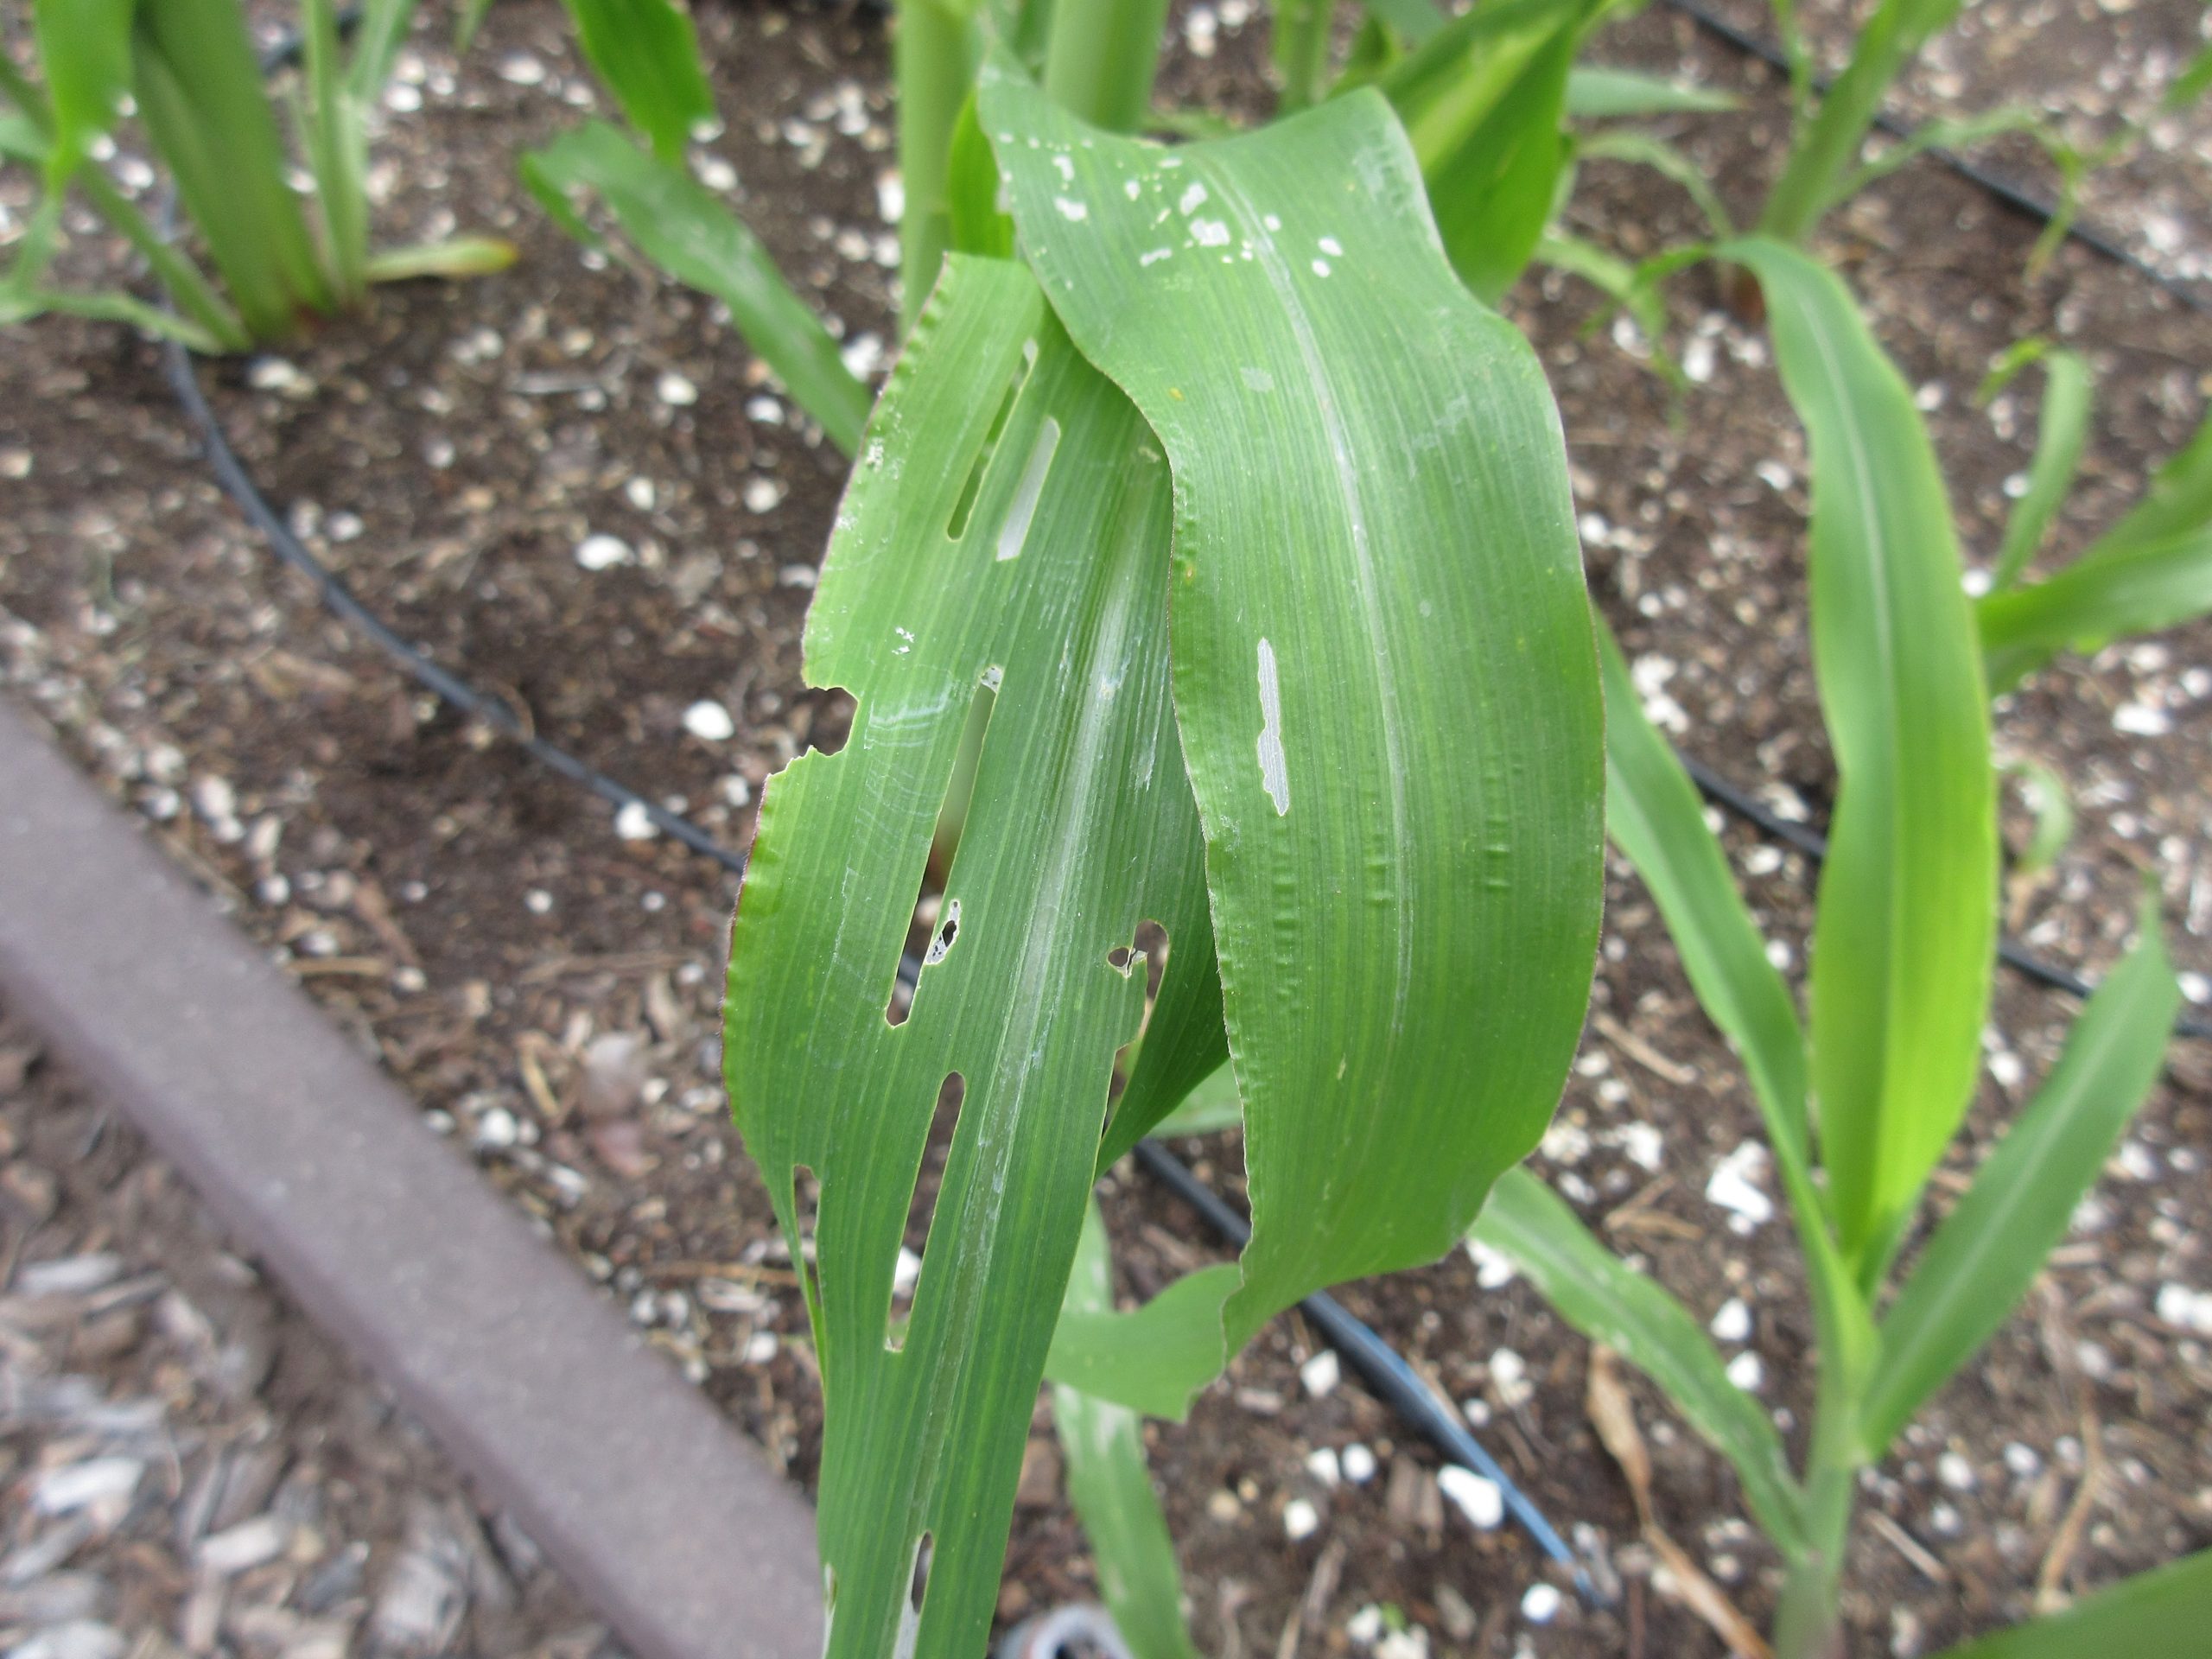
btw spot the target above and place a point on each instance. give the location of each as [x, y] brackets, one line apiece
[1151, 944]
[1013, 533]
[956, 526]
[806, 1206]
[921, 1208]
[919, 1586]
[935, 923]
[824, 721]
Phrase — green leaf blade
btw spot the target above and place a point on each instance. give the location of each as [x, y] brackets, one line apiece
[1654, 815]
[1608, 1302]
[647, 54]
[84, 47]
[1384, 671]
[2062, 429]
[1109, 1483]
[1906, 931]
[686, 229]
[1992, 1246]
[1081, 824]
[1597, 93]
[2166, 1611]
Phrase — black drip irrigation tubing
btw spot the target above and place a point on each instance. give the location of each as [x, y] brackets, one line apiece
[2004, 190]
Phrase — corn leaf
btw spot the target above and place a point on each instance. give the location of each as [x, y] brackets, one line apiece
[1655, 817]
[2063, 428]
[1608, 1302]
[199, 89]
[2165, 1610]
[1482, 102]
[84, 48]
[2178, 502]
[2043, 793]
[2152, 569]
[1643, 150]
[2089, 604]
[380, 33]
[1384, 673]
[1300, 47]
[687, 231]
[1829, 143]
[1415, 21]
[1990, 1247]
[1601, 94]
[1905, 930]
[1152, 1359]
[1109, 1483]
[1208, 1108]
[647, 53]
[1049, 601]
[337, 150]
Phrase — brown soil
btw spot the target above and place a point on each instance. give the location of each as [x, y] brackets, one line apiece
[547, 989]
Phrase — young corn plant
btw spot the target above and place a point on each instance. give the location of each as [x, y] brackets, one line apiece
[647, 54]
[1828, 163]
[1242, 526]
[2152, 569]
[190, 69]
[1861, 1103]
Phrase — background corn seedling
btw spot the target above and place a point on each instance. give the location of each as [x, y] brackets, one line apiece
[191, 70]
[1859, 1108]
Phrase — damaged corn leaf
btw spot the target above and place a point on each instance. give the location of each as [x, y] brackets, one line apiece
[1005, 536]
[1384, 671]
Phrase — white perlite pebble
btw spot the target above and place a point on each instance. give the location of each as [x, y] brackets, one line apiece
[1323, 1464]
[634, 822]
[1358, 1464]
[1747, 1373]
[2185, 1308]
[2141, 720]
[603, 552]
[1540, 1604]
[1321, 1374]
[762, 494]
[906, 1273]
[676, 390]
[709, 721]
[1731, 1187]
[1509, 1378]
[1300, 1520]
[1493, 1269]
[761, 1349]
[1480, 1499]
[1955, 1472]
[1733, 1322]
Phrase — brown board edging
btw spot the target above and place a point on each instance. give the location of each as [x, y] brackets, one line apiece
[641, 1493]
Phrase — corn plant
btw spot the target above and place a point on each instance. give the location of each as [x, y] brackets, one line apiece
[1247, 526]
[2152, 569]
[1827, 163]
[646, 54]
[191, 69]
[1861, 1104]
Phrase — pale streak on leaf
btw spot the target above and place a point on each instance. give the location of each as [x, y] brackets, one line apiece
[1274, 770]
